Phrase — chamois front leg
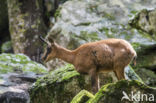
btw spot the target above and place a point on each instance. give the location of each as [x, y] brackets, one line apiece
[120, 73]
[94, 80]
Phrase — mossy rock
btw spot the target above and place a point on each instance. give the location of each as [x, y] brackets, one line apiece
[114, 93]
[147, 57]
[7, 47]
[147, 76]
[82, 97]
[19, 62]
[61, 85]
[145, 20]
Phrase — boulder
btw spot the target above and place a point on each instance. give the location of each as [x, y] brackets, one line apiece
[17, 74]
[61, 85]
[122, 92]
[79, 22]
[147, 76]
[146, 57]
[145, 20]
[19, 63]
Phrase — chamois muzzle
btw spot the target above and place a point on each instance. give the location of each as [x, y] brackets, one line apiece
[43, 58]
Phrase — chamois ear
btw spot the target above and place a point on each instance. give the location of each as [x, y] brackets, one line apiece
[50, 39]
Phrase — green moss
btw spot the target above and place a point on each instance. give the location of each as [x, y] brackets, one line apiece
[134, 12]
[82, 97]
[113, 92]
[135, 45]
[88, 37]
[109, 16]
[147, 76]
[104, 29]
[55, 87]
[13, 62]
[57, 12]
[59, 75]
[7, 46]
[84, 24]
[146, 56]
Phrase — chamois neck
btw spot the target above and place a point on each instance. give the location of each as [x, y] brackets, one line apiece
[65, 54]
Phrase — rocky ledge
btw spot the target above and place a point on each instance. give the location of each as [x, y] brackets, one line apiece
[61, 85]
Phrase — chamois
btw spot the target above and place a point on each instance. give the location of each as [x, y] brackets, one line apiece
[95, 57]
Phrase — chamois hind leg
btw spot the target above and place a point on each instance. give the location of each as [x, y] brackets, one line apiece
[94, 80]
[119, 72]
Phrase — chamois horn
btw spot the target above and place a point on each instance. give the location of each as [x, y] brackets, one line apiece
[43, 40]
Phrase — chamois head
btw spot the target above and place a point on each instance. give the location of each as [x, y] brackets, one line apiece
[50, 51]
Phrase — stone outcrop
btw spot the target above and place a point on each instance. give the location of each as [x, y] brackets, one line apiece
[121, 92]
[61, 85]
[17, 74]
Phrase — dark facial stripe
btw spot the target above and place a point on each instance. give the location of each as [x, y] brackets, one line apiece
[49, 49]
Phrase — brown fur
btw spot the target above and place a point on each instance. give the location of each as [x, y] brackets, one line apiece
[93, 58]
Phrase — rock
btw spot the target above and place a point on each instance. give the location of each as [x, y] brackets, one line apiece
[145, 20]
[82, 97]
[14, 97]
[19, 63]
[7, 47]
[147, 76]
[79, 22]
[61, 85]
[17, 74]
[147, 57]
[123, 92]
